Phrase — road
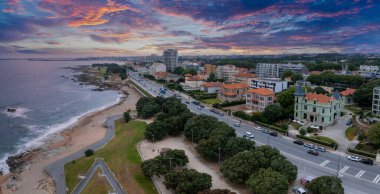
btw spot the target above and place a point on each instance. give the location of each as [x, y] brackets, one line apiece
[99, 163]
[356, 177]
[56, 169]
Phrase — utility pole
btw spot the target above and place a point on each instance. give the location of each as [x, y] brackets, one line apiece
[337, 170]
[268, 140]
[153, 142]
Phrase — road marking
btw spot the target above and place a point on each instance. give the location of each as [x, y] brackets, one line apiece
[376, 180]
[360, 174]
[344, 169]
[324, 163]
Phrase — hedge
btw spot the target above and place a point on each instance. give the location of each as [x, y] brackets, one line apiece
[272, 127]
[332, 145]
[242, 115]
[226, 104]
[360, 152]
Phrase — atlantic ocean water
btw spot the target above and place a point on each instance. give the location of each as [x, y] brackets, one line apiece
[46, 99]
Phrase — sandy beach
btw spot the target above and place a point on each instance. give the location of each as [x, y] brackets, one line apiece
[86, 131]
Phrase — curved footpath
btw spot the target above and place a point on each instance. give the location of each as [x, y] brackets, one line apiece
[56, 169]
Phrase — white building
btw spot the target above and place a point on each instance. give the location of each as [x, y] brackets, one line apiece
[269, 70]
[211, 87]
[142, 70]
[189, 64]
[171, 59]
[192, 83]
[157, 67]
[226, 72]
[275, 85]
[376, 101]
[369, 71]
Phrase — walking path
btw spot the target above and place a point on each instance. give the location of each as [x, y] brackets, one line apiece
[56, 169]
[99, 163]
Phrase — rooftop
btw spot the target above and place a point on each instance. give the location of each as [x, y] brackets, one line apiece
[235, 86]
[348, 92]
[261, 91]
[247, 75]
[319, 98]
[212, 84]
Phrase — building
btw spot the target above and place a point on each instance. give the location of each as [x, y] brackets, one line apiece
[275, 85]
[192, 82]
[270, 70]
[161, 75]
[209, 69]
[226, 72]
[157, 67]
[347, 96]
[368, 69]
[303, 83]
[171, 59]
[317, 109]
[211, 87]
[142, 70]
[258, 99]
[191, 65]
[233, 92]
[243, 77]
[376, 101]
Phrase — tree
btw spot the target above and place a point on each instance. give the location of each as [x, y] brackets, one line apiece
[127, 117]
[149, 110]
[89, 153]
[178, 71]
[303, 132]
[286, 100]
[212, 77]
[326, 185]
[319, 90]
[199, 127]
[268, 181]
[156, 131]
[141, 103]
[217, 191]
[190, 71]
[222, 130]
[286, 73]
[154, 166]
[187, 181]
[209, 148]
[295, 77]
[177, 157]
[284, 167]
[273, 112]
[374, 135]
[239, 167]
[235, 145]
[363, 95]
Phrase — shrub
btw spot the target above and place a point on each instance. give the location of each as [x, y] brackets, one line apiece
[363, 153]
[351, 133]
[303, 132]
[329, 144]
[326, 185]
[272, 127]
[187, 181]
[127, 117]
[89, 153]
[242, 115]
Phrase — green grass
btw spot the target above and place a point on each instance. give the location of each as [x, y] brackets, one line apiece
[141, 89]
[351, 133]
[97, 184]
[323, 138]
[121, 156]
[211, 101]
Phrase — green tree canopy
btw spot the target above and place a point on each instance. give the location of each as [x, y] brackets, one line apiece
[212, 78]
[364, 94]
[200, 125]
[126, 116]
[296, 76]
[273, 112]
[235, 145]
[149, 110]
[178, 71]
[157, 130]
[326, 185]
[217, 191]
[268, 181]
[374, 135]
[187, 181]
[285, 168]
[319, 90]
[286, 100]
[209, 148]
[190, 71]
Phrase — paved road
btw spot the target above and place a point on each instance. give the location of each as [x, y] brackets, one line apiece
[357, 177]
[56, 169]
[99, 163]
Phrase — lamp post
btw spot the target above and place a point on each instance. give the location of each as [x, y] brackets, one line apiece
[153, 142]
[337, 170]
[170, 164]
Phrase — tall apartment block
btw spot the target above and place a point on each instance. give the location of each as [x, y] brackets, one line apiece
[171, 59]
[376, 101]
[269, 70]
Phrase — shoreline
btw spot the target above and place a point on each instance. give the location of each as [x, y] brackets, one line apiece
[86, 130]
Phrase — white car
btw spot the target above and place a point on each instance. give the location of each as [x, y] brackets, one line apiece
[301, 122]
[299, 190]
[248, 133]
[310, 146]
[314, 126]
[258, 128]
[237, 124]
[354, 158]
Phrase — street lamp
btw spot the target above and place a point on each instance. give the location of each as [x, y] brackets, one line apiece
[170, 164]
[337, 170]
[153, 142]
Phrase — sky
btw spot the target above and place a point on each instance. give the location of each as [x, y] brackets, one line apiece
[74, 28]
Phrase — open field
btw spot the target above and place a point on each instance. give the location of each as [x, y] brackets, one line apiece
[121, 156]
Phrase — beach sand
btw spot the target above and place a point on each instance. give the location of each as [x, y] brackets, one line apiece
[86, 131]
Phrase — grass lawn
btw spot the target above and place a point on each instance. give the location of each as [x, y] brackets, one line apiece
[142, 90]
[121, 156]
[211, 101]
[351, 133]
[326, 139]
[97, 184]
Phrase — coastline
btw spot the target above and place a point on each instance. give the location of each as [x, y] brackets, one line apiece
[86, 130]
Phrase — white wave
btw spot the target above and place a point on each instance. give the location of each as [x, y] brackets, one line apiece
[44, 133]
[19, 113]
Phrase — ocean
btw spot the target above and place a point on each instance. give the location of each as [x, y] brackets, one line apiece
[47, 101]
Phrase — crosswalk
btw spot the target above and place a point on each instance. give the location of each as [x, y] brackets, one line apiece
[377, 179]
[360, 173]
[344, 169]
[324, 163]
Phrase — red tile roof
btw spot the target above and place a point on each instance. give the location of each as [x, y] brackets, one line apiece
[212, 84]
[235, 86]
[229, 93]
[194, 78]
[188, 75]
[348, 92]
[161, 74]
[247, 75]
[261, 91]
[319, 97]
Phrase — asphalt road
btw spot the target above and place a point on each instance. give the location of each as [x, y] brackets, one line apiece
[99, 163]
[56, 169]
[357, 178]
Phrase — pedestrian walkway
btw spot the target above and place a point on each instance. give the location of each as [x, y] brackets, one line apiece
[99, 163]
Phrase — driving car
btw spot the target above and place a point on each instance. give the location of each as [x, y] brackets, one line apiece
[320, 149]
[299, 142]
[354, 158]
[308, 145]
[367, 161]
[273, 134]
[265, 131]
[220, 113]
[187, 102]
[313, 152]
[299, 190]
[251, 136]
[202, 106]
[248, 133]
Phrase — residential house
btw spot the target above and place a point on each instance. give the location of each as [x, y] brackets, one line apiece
[243, 77]
[226, 72]
[161, 75]
[211, 87]
[192, 82]
[276, 85]
[233, 92]
[318, 109]
[376, 101]
[258, 99]
[347, 96]
[157, 67]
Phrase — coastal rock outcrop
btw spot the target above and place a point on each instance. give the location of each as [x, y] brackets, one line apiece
[17, 162]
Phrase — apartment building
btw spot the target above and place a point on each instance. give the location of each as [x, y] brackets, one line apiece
[233, 92]
[276, 85]
[376, 101]
[243, 77]
[258, 99]
[157, 67]
[170, 59]
[226, 72]
[209, 69]
[270, 70]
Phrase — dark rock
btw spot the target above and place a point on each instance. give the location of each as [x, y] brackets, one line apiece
[18, 161]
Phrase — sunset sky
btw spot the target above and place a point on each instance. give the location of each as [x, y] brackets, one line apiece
[66, 28]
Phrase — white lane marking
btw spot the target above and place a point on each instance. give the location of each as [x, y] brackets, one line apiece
[376, 180]
[360, 174]
[344, 169]
[324, 163]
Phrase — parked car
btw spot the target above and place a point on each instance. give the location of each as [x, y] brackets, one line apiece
[301, 122]
[199, 108]
[349, 122]
[220, 113]
[251, 136]
[299, 142]
[195, 102]
[367, 161]
[202, 106]
[354, 158]
[265, 131]
[308, 145]
[313, 152]
[258, 128]
[299, 190]
[273, 134]
[314, 127]
[320, 149]
[248, 133]
[213, 110]
[187, 102]
[237, 124]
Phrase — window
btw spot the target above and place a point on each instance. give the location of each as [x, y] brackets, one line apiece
[261, 98]
[305, 107]
[297, 107]
[314, 109]
[305, 100]
[323, 119]
[323, 111]
[269, 98]
[315, 102]
[296, 114]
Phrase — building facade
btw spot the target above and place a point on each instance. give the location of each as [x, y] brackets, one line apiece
[211, 87]
[209, 69]
[170, 59]
[226, 72]
[275, 85]
[347, 96]
[243, 77]
[157, 67]
[233, 92]
[258, 99]
[317, 109]
[270, 70]
[376, 101]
